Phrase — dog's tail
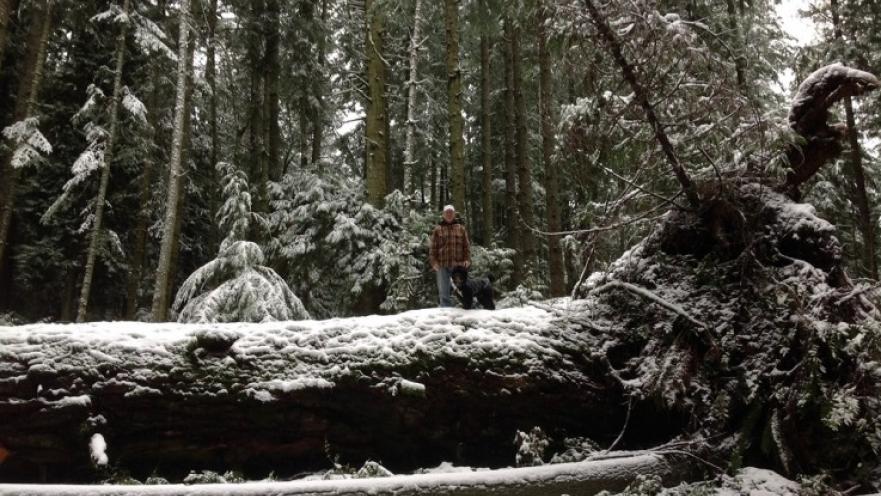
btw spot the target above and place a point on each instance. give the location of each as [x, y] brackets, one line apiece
[491, 277]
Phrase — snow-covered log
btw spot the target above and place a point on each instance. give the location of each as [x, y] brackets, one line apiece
[581, 478]
[408, 390]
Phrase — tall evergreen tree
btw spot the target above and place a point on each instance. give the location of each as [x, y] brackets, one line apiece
[30, 79]
[161, 291]
[111, 138]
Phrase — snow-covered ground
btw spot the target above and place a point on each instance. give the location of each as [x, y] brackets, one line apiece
[566, 478]
[583, 479]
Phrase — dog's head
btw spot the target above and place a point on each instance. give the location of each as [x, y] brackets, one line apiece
[460, 276]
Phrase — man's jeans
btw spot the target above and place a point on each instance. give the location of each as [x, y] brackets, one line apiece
[443, 285]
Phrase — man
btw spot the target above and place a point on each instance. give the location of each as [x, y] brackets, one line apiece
[449, 249]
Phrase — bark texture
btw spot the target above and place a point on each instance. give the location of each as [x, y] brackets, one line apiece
[376, 135]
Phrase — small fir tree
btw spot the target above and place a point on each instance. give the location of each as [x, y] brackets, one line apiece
[235, 286]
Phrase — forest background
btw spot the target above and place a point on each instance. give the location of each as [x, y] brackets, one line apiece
[318, 139]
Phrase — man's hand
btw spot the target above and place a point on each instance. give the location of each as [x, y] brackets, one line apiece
[435, 267]
[467, 264]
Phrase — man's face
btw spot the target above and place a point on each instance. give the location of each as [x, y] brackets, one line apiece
[449, 215]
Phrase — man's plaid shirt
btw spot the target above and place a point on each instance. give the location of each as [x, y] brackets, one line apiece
[449, 245]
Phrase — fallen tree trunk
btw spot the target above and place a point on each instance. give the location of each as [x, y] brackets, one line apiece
[409, 390]
[581, 478]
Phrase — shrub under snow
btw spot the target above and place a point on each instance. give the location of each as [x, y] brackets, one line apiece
[235, 287]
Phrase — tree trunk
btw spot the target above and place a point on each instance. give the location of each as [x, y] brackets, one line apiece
[454, 104]
[139, 251]
[412, 87]
[257, 142]
[161, 296]
[432, 167]
[211, 79]
[25, 107]
[736, 45]
[865, 218]
[526, 217]
[174, 265]
[552, 186]
[318, 90]
[96, 234]
[514, 225]
[444, 184]
[376, 137]
[486, 130]
[306, 13]
[68, 298]
[271, 112]
[7, 8]
[140, 247]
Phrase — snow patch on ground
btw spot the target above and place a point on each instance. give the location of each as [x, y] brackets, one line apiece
[98, 448]
[503, 481]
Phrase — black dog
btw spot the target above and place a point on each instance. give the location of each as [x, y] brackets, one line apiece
[469, 289]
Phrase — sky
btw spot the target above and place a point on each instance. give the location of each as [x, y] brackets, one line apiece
[803, 30]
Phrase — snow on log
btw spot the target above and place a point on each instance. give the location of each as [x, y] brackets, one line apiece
[408, 390]
[581, 478]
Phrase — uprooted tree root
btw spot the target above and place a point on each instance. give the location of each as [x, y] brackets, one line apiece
[741, 320]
